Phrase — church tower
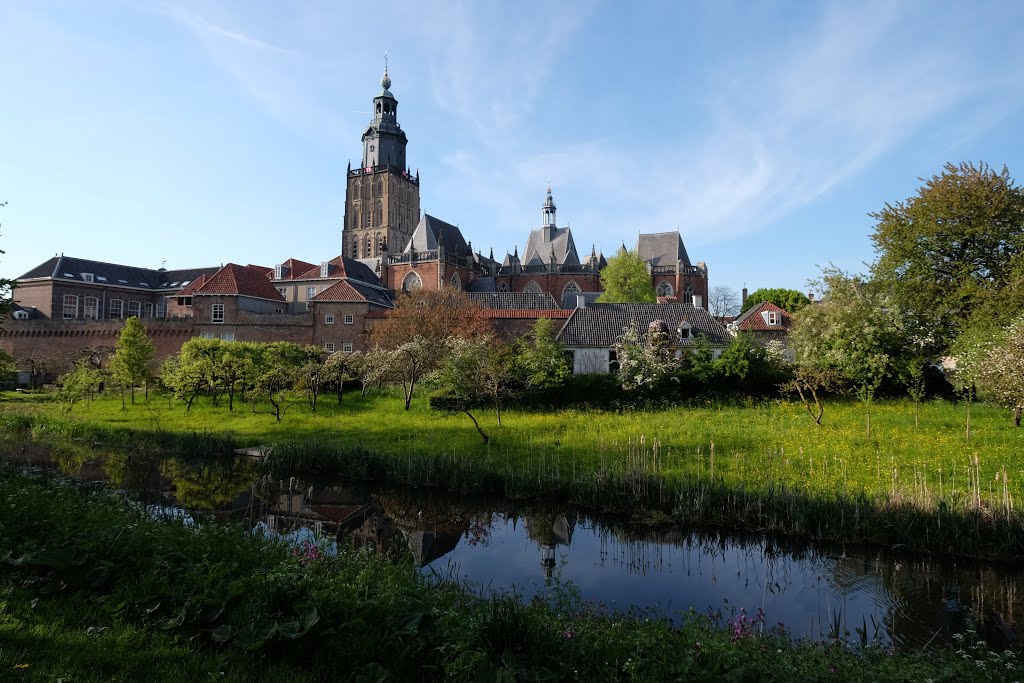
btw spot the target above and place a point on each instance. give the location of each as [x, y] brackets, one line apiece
[382, 197]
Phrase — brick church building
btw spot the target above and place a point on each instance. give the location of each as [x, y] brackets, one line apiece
[388, 246]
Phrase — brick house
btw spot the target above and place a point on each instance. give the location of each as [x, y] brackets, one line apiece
[764, 322]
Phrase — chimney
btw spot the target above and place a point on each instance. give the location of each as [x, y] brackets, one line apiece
[698, 301]
[581, 301]
[744, 301]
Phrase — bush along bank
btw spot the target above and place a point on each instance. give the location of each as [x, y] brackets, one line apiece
[354, 616]
[638, 485]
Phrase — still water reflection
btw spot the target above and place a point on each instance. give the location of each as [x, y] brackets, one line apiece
[817, 591]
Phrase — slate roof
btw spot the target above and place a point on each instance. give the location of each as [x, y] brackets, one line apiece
[192, 286]
[662, 248]
[343, 266]
[542, 242]
[753, 321]
[353, 290]
[514, 300]
[430, 232]
[482, 285]
[600, 325]
[70, 269]
[237, 280]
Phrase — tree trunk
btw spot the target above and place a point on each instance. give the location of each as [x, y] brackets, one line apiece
[497, 409]
[476, 424]
[917, 413]
[133, 393]
[868, 411]
[1016, 415]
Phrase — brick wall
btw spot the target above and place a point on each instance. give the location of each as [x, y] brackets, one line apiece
[69, 340]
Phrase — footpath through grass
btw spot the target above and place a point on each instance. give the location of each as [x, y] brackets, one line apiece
[762, 466]
[94, 589]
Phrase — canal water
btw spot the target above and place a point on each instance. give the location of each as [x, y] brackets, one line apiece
[816, 591]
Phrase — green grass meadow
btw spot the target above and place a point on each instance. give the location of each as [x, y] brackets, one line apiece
[915, 483]
[753, 445]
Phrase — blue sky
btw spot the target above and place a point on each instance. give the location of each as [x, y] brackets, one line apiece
[199, 133]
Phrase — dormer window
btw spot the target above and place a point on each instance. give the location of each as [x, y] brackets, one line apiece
[88, 277]
[325, 268]
[279, 272]
[771, 317]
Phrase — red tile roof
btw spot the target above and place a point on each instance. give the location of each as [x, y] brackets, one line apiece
[269, 272]
[340, 291]
[295, 269]
[336, 269]
[753, 321]
[241, 281]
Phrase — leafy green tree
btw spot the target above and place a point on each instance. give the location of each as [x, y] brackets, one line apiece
[542, 360]
[789, 300]
[952, 249]
[341, 367]
[626, 280]
[856, 330]
[313, 375]
[276, 371]
[80, 384]
[132, 361]
[474, 372]
[7, 365]
[411, 361]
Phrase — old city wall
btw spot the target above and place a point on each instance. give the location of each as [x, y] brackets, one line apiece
[71, 338]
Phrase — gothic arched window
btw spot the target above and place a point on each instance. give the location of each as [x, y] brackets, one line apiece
[664, 288]
[355, 248]
[377, 187]
[369, 247]
[688, 295]
[411, 282]
[377, 242]
[532, 288]
[378, 214]
[571, 288]
[504, 288]
[456, 281]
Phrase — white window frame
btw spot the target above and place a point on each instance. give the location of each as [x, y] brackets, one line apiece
[310, 292]
[88, 277]
[283, 291]
[207, 335]
[217, 314]
[329, 347]
[91, 312]
[325, 268]
[346, 347]
[135, 306]
[117, 308]
[349, 319]
[70, 302]
[279, 272]
[773, 318]
[147, 310]
[329, 319]
[227, 336]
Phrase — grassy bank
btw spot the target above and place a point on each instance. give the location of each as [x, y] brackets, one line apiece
[95, 590]
[764, 466]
